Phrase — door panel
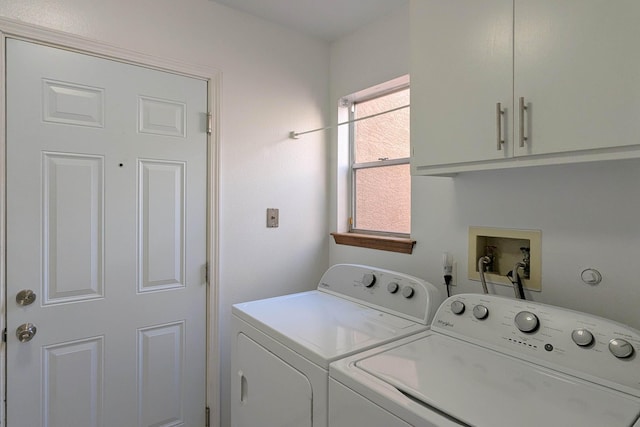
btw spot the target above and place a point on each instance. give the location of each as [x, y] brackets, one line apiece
[73, 377]
[161, 198]
[73, 226]
[72, 104]
[160, 361]
[106, 223]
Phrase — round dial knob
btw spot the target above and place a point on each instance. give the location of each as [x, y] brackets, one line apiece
[582, 337]
[527, 321]
[457, 307]
[392, 287]
[620, 348]
[368, 280]
[407, 292]
[480, 312]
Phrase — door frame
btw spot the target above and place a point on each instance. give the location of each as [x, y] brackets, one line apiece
[41, 35]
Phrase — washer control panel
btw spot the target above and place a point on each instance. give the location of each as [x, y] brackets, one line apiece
[580, 344]
[390, 291]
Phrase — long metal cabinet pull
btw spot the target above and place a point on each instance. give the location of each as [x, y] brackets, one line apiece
[523, 108]
[499, 114]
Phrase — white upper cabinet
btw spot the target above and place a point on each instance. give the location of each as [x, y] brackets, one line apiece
[575, 65]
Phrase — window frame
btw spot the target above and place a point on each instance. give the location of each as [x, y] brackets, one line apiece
[354, 167]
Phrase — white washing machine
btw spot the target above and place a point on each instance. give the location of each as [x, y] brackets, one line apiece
[489, 361]
[282, 346]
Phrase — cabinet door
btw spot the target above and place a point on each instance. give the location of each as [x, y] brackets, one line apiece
[577, 64]
[461, 67]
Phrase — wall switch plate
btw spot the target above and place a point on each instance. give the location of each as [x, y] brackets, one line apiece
[273, 217]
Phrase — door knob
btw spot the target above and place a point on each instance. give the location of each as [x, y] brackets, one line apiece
[25, 297]
[26, 332]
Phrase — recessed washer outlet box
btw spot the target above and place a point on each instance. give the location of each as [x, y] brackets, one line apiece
[505, 248]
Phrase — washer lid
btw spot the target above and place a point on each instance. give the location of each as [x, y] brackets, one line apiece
[480, 387]
[323, 327]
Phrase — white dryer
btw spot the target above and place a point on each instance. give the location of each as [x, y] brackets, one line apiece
[489, 361]
[282, 346]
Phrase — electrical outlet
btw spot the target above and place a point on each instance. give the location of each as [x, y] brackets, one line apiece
[448, 267]
[273, 217]
[454, 273]
[452, 270]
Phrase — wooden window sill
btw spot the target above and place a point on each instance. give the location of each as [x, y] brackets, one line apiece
[384, 243]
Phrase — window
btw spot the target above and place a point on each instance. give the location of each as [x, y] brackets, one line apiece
[381, 178]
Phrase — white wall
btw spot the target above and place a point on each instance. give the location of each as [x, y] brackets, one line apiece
[588, 213]
[274, 81]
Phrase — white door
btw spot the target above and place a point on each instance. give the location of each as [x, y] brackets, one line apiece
[106, 224]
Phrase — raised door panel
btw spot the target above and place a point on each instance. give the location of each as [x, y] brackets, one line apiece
[578, 67]
[161, 225]
[73, 377]
[161, 363]
[461, 67]
[73, 227]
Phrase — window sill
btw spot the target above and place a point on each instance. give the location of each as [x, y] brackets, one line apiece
[384, 243]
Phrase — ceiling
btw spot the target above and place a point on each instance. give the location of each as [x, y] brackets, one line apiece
[325, 19]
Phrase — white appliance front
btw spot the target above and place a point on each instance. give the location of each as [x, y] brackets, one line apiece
[458, 375]
[283, 346]
[274, 383]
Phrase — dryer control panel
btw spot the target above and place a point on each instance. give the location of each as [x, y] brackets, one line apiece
[389, 291]
[580, 344]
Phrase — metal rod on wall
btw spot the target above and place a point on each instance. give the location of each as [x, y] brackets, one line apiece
[296, 135]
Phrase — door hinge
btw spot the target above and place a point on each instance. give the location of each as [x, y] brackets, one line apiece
[207, 415]
[209, 123]
[206, 273]
[4, 335]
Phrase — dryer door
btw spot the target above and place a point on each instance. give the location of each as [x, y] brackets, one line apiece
[267, 392]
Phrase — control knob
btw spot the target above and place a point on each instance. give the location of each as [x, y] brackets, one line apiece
[457, 307]
[407, 292]
[620, 348]
[582, 337]
[392, 287]
[480, 312]
[368, 280]
[526, 321]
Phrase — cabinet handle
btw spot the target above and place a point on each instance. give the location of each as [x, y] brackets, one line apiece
[499, 114]
[523, 108]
